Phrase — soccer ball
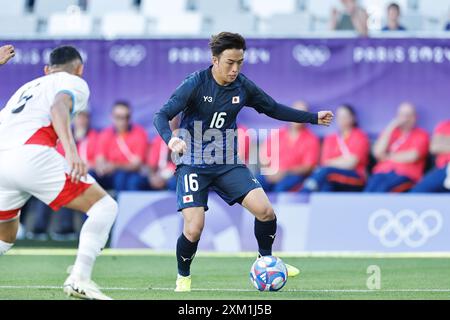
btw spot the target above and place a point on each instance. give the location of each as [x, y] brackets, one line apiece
[268, 273]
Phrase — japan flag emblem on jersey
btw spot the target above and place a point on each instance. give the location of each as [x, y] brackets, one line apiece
[235, 100]
[188, 198]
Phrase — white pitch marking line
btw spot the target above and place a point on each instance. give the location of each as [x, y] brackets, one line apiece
[149, 252]
[237, 290]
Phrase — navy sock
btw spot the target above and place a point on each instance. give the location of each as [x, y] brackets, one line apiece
[265, 232]
[185, 254]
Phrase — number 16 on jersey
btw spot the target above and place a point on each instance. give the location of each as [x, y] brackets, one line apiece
[190, 182]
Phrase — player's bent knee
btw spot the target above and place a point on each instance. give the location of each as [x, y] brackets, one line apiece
[107, 207]
[193, 232]
[267, 214]
[111, 206]
[5, 247]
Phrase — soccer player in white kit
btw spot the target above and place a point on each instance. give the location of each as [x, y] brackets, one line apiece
[35, 117]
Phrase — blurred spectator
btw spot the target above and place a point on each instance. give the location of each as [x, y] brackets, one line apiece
[401, 152]
[298, 155]
[434, 181]
[393, 18]
[122, 150]
[345, 156]
[353, 17]
[86, 140]
[160, 164]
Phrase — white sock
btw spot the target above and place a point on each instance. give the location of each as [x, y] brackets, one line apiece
[4, 247]
[93, 236]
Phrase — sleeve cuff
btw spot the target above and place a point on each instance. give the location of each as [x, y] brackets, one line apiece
[315, 118]
[72, 95]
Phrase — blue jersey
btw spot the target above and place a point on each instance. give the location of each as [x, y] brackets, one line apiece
[209, 113]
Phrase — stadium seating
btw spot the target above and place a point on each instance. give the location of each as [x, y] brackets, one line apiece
[18, 26]
[434, 8]
[435, 13]
[202, 17]
[157, 8]
[289, 24]
[98, 8]
[70, 24]
[190, 23]
[322, 9]
[266, 8]
[12, 8]
[115, 25]
[413, 21]
[244, 23]
[219, 8]
[44, 8]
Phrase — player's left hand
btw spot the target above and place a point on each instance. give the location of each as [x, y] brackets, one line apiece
[78, 169]
[325, 118]
[6, 53]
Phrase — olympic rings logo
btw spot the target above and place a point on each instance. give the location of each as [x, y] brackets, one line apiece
[127, 55]
[311, 55]
[405, 227]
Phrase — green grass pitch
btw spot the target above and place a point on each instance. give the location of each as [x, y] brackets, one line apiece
[39, 274]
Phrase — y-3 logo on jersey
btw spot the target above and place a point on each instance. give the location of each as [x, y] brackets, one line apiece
[207, 99]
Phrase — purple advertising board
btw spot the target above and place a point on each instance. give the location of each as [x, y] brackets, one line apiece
[374, 75]
[324, 222]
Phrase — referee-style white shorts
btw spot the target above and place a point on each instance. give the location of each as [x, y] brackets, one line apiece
[39, 171]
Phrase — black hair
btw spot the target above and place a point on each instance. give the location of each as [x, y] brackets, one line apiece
[63, 55]
[123, 103]
[394, 5]
[226, 40]
[352, 111]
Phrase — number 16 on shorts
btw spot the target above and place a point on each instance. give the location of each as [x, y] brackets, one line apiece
[190, 185]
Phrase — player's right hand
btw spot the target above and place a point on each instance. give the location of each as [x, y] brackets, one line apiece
[325, 118]
[6, 53]
[177, 145]
[77, 168]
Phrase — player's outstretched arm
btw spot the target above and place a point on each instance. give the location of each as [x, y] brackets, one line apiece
[6, 53]
[263, 103]
[60, 115]
[284, 113]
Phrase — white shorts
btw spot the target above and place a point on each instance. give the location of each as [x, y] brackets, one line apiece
[39, 171]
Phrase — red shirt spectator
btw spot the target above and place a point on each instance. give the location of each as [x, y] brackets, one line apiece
[158, 157]
[121, 149]
[356, 143]
[442, 129]
[293, 152]
[87, 148]
[417, 139]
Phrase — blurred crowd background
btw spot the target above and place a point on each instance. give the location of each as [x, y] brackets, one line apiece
[197, 18]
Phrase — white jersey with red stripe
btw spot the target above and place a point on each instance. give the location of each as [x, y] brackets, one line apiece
[29, 163]
[26, 118]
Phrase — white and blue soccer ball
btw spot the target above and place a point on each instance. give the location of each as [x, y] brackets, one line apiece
[268, 273]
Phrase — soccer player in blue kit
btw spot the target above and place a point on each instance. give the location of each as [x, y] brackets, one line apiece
[211, 99]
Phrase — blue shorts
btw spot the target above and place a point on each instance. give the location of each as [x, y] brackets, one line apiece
[230, 182]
